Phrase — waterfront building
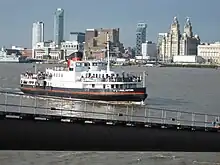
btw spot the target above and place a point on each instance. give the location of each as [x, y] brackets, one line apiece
[210, 52]
[58, 27]
[141, 31]
[48, 49]
[188, 42]
[70, 47]
[37, 34]
[174, 43]
[160, 40]
[149, 50]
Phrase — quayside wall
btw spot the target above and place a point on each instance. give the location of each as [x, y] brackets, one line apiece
[31, 134]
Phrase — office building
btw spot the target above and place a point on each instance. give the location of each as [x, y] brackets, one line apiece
[77, 36]
[210, 52]
[149, 50]
[140, 37]
[37, 33]
[58, 27]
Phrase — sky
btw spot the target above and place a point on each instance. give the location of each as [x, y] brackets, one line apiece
[17, 17]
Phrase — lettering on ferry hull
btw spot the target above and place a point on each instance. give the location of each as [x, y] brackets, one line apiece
[123, 90]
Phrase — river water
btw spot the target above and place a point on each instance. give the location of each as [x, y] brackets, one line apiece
[192, 90]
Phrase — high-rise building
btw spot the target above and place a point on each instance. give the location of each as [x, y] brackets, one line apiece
[37, 34]
[160, 39]
[140, 37]
[77, 36]
[58, 26]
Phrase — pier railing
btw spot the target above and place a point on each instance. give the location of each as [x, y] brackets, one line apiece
[16, 103]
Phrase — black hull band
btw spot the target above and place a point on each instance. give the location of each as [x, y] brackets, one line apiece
[109, 96]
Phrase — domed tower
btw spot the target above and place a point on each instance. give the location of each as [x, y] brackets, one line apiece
[188, 28]
[175, 26]
[174, 38]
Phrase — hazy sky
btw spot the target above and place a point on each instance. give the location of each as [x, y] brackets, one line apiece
[17, 16]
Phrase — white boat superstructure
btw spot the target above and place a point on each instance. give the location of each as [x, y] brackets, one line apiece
[5, 58]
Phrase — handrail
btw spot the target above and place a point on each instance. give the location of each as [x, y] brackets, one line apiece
[130, 114]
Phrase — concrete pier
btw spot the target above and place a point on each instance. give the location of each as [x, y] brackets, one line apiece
[35, 127]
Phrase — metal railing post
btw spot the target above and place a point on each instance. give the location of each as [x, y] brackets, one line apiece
[206, 120]
[132, 109]
[113, 108]
[127, 113]
[47, 106]
[61, 113]
[35, 104]
[162, 116]
[193, 120]
[93, 113]
[20, 103]
[145, 114]
[85, 108]
[6, 101]
[148, 119]
[178, 118]
[106, 113]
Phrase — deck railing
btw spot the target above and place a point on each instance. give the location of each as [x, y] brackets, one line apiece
[11, 102]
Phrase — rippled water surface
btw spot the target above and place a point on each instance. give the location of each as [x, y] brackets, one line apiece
[171, 88]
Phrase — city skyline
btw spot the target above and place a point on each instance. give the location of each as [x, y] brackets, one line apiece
[204, 23]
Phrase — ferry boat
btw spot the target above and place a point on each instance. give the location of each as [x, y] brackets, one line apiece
[90, 80]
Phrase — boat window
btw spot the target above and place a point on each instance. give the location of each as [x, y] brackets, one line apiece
[116, 86]
[96, 75]
[104, 86]
[112, 86]
[89, 75]
[121, 86]
[70, 69]
[78, 64]
[94, 64]
[106, 75]
[93, 85]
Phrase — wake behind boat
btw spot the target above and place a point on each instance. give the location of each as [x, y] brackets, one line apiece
[90, 80]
